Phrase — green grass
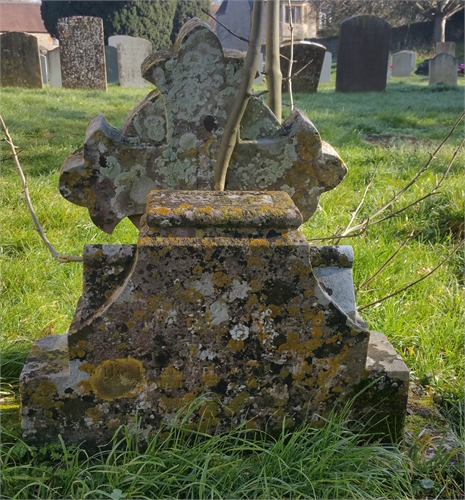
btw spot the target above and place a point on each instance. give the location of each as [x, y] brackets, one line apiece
[389, 134]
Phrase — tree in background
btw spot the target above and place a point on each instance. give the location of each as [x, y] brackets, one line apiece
[398, 13]
[158, 21]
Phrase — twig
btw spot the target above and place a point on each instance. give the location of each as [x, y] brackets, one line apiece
[60, 258]
[225, 27]
[456, 248]
[291, 58]
[381, 269]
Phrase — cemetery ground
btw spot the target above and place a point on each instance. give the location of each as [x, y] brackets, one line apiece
[385, 139]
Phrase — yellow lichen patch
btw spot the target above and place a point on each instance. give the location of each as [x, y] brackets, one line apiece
[170, 378]
[191, 295]
[238, 403]
[210, 379]
[197, 270]
[274, 311]
[79, 350]
[86, 368]
[316, 332]
[258, 243]
[284, 374]
[253, 383]
[220, 279]
[253, 299]
[255, 285]
[207, 209]
[253, 362]
[121, 346]
[318, 318]
[94, 413]
[118, 378]
[253, 261]
[292, 343]
[313, 344]
[193, 350]
[333, 339]
[293, 311]
[235, 345]
[85, 386]
[308, 292]
[162, 210]
[184, 205]
[140, 314]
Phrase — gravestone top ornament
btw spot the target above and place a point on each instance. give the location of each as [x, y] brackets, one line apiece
[170, 140]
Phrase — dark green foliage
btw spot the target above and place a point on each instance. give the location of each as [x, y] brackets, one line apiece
[156, 20]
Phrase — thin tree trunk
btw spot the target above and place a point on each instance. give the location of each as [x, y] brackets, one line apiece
[231, 129]
[274, 77]
[439, 29]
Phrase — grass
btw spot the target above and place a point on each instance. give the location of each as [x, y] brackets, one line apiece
[388, 135]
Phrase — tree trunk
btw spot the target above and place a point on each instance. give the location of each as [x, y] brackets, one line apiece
[274, 77]
[231, 129]
[439, 28]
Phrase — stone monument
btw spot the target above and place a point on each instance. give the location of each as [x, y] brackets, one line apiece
[222, 297]
[363, 54]
[325, 75]
[404, 63]
[54, 67]
[445, 48]
[308, 61]
[443, 69]
[82, 53]
[20, 62]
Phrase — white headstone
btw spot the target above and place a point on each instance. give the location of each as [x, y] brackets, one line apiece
[132, 51]
[54, 67]
[325, 74]
[43, 65]
[443, 69]
[445, 47]
[259, 78]
[403, 63]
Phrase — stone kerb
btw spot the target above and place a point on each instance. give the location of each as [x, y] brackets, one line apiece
[20, 61]
[363, 54]
[219, 300]
[443, 70]
[308, 62]
[131, 53]
[82, 54]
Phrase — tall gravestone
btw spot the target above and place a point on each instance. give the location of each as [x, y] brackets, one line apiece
[111, 59]
[445, 48]
[403, 63]
[54, 67]
[44, 68]
[325, 75]
[20, 61]
[82, 53]
[131, 53]
[363, 54]
[443, 69]
[307, 63]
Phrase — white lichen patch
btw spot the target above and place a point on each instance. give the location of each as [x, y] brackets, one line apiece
[204, 285]
[187, 141]
[239, 332]
[239, 290]
[219, 312]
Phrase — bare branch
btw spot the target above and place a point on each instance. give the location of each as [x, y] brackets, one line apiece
[225, 27]
[60, 258]
[413, 283]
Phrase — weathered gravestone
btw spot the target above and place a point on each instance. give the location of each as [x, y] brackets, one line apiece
[82, 53]
[20, 62]
[307, 63]
[131, 53]
[325, 75]
[222, 296]
[111, 60]
[54, 67]
[403, 63]
[445, 48]
[443, 69]
[43, 68]
[363, 54]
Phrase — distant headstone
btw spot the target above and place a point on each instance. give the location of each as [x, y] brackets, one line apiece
[54, 67]
[307, 63]
[20, 61]
[259, 78]
[325, 75]
[82, 53]
[132, 51]
[443, 69]
[445, 47]
[111, 59]
[403, 63]
[43, 67]
[363, 54]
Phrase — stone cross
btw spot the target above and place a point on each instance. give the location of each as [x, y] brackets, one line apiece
[170, 140]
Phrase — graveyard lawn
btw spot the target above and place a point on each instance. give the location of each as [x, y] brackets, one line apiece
[388, 136]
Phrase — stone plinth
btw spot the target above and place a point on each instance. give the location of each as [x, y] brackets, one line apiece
[219, 300]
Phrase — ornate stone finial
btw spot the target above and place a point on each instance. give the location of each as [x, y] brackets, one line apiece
[170, 139]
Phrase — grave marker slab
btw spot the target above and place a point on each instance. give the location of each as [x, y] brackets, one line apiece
[363, 54]
[111, 59]
[43, 67]
[131, 53]
[325, 75]
[20, 61]
[54, 67]
[308, 61]
[82, 53]
[404, 63]
[443, 69]
[445, 47]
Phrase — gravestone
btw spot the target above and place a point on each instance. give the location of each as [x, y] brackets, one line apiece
[325, 75]
[445, 48]
[259, 78]
[82, 54]
[54, 67]
[363, 54]
[131, 53]
[443, 69]
[111, 59]
[43, 68]
[222, 297]
[403, 63]
[308, 60]
[20, 61]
